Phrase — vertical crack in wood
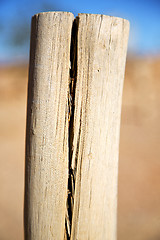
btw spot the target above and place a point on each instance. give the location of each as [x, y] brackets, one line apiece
[71, 105]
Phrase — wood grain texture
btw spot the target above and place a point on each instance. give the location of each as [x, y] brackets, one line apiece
[46, 170]
[101, 55]
[73, 123]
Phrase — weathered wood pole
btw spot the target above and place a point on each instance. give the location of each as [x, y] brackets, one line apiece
[73, 121]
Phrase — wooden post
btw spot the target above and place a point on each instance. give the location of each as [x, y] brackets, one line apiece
[73, 123]
[47, 127]
[102, 44]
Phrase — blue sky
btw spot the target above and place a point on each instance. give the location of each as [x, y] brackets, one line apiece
[15, 17]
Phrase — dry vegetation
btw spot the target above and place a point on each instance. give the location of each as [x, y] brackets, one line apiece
[139, 168]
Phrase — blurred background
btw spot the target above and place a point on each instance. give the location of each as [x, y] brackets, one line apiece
[139, 164]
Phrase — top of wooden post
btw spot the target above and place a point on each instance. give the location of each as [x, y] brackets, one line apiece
[73, 121]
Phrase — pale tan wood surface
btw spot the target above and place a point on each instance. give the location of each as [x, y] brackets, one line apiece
[73, 126]
[101, 55]
[47, 127]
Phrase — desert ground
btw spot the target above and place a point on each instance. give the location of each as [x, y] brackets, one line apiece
[139, 162]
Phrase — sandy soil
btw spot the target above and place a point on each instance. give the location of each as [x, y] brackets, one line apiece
[13, 82]
[139, 165]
